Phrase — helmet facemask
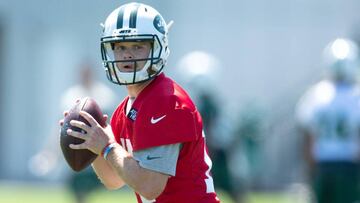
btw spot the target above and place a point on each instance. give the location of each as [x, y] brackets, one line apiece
[152, 64]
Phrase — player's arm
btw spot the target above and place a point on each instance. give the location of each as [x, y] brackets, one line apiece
[106, 174]
[149, 183]
[305, 118]
[308, 145]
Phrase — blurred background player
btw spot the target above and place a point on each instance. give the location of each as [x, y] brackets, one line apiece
[329, 119]
[89, 86]
[246, 149]
[80, 183]
[199, 71]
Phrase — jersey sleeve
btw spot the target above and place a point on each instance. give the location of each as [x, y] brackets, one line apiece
[161, 159]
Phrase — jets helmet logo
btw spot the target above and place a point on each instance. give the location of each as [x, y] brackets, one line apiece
[159, 24]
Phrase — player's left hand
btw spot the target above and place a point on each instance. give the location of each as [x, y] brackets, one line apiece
[95, 136]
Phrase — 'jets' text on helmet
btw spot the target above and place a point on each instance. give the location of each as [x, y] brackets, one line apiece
[135, 22]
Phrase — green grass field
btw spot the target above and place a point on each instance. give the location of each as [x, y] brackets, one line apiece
[37, 193]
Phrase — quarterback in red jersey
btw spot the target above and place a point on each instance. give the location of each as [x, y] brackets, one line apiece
[154, 143]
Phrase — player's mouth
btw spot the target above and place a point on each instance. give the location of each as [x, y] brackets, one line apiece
[127, 67]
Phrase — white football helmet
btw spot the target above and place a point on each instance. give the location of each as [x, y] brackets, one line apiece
[199, 70]
[342, 59]
[135, 22]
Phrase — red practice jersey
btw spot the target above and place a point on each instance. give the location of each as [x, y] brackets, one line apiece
[164, 114]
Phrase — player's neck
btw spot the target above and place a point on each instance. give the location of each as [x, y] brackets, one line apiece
[134, 90]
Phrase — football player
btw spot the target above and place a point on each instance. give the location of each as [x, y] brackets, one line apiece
[155, 141]
[329, 117]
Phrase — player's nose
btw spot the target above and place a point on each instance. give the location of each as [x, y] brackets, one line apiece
[128, 54]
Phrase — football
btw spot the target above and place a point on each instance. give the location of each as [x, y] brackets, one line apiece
[79, 159]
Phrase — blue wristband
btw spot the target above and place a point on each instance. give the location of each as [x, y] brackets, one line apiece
[108, 149]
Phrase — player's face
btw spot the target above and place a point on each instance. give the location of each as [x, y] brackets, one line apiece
[131, 51]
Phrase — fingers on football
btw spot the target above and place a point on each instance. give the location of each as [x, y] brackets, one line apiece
[89, 118]
[80, 125]
[78, 146]
[105, 117]
[65, 113]
[76, 134]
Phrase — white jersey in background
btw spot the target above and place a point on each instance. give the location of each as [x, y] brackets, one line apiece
[331, 113]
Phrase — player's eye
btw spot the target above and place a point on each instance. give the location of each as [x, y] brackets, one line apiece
[119, 48]
[138, 47]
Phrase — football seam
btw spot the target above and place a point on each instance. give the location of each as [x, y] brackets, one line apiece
[82, 108]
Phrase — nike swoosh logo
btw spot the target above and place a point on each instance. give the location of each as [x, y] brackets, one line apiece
[152, 157]
[153, 120]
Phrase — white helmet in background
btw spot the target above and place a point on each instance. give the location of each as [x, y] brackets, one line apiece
[135, 22]
[342, 59]
[199, 69]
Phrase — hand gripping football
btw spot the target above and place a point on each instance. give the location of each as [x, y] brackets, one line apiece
[79, 159]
